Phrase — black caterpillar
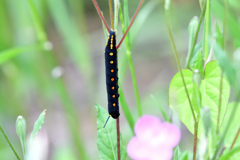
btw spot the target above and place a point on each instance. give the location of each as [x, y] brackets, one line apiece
[112, 75]
[111, 63]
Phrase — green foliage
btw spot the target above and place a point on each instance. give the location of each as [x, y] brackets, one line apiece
[209, 90]
[21, 128]
[38, 124]
[234, 126]
[178, 155]
[106, 137]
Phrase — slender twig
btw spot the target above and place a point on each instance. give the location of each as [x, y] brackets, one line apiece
[111, 14]
[9, 142]
[235, 139]
[100, 14]
[118, 139]
[195, 140]
[196, 35]
[134, 16]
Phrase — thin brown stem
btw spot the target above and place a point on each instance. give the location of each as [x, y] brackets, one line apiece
[111, 13]
[118, 139]
[100, 14]
[195, 140]
[134, 16]
[235, 138]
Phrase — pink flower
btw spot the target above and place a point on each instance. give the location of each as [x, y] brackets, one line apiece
[154, 140]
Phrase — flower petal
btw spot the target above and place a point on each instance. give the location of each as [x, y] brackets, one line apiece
[173, 134]
[137, 149]
[147, 127]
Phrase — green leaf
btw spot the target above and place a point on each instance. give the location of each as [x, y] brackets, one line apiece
[234, 126]
[219, 36]
[38, 124]
[192, 28]
[233, 26]
[209, 90]
[107, 137]
[231, 153]
[8, 54]
[178, 155]
[21, 128]
[161, 109]
[198, 64]
[226, 65]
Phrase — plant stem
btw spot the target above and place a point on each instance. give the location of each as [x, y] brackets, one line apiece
[207, 21]
[195, 140]
[178, 62]
[9, 143]
[220, 101]
[129, 56]
[118, 139]
[111, 13]
[223, 46]
[235, 139]
[185, 86]
[196, 35]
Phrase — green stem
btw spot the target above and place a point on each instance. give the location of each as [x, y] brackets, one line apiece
[178, 62]
[9, 143]
[223, 46]
[130, 62]
[196, 35]
[206, 29]
[220, 102]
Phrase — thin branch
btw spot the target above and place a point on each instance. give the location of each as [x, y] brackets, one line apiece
[235, 139]
[195, 140]
[100, 14]
[134, 16]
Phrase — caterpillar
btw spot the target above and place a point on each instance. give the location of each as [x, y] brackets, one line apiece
[111, 63]
[112, 75]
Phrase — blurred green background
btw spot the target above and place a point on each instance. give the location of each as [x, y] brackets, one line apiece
[52, 57]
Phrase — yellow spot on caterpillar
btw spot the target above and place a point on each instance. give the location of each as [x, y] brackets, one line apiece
[111, 62]
[111, 54]
[112, 79]
[113, 96]
[114, 104]
[113, 87]
[112, 36]
[112, 70]
[111, 46]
